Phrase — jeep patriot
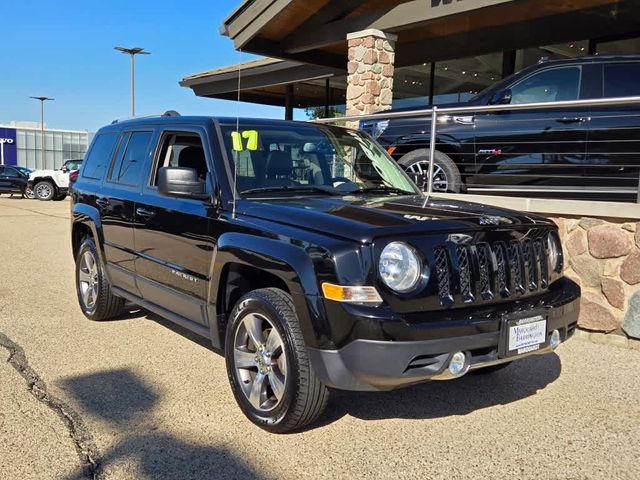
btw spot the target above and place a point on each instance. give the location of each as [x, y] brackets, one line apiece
[310, 259]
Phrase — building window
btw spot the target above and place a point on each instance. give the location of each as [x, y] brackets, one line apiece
[629, 45]
[460, 79]
[530, 56]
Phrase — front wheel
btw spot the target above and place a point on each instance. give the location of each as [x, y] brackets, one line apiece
[44, 190]
[267, 363]
[446, 176]
[28, 193]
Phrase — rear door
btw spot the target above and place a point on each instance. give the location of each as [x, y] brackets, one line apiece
[613, 155]
[534, 151]
[173, 241]
[116, 202]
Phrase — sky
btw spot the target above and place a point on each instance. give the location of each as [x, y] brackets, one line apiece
[64, 49]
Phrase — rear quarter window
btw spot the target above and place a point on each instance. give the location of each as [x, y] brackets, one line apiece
[99, 156]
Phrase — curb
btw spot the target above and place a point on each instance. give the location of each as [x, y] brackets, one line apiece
[607, 339]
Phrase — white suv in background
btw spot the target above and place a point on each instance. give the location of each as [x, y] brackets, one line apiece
[52, 184]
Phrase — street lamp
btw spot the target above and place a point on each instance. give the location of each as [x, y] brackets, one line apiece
[132, 52]
[42, 100]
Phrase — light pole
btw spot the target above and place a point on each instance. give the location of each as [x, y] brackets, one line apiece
[42, 100]
[132, 52]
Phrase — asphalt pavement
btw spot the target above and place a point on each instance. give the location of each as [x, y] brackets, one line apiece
[140, 398]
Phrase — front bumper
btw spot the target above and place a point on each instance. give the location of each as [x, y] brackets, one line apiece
[367, 364]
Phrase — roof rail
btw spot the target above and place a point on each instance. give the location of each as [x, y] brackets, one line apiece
[168, 113]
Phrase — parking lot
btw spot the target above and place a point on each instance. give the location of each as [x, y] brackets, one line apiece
[140, 398]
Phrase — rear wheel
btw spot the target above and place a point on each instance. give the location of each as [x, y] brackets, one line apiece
[44, 190]
[267, 363]
[446, 176]
[94, 292]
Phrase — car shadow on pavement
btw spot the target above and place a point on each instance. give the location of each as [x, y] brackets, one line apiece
[438, 399]
[143, 448]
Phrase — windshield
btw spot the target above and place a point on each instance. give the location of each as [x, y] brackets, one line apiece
[309, 158]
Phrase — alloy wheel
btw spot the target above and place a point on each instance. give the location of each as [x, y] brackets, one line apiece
[421, 168]
[43, 190]
[28, 192]
[88, 280]
[260, 362]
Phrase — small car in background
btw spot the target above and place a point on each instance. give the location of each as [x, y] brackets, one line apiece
[53, 184]
[14, 180]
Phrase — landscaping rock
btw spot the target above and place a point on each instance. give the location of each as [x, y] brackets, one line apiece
[588, 223]
[611, 267]
[608, 241]
[638, 236]
[614, 291]
[576, 243]
[588, 269]
[594, 315]
[630, 270]
[629, 227]
[631, 325]
[571, 224]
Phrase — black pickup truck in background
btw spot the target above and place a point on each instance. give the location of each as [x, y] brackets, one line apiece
[579, 153]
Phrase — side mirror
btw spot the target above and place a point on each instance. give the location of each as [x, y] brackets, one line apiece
[64, 169]
[181, 182]
[503, 97]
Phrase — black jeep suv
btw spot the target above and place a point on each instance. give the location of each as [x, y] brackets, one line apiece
[330, 268]
[581, 153]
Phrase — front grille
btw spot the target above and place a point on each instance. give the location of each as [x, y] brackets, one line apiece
[484, 271]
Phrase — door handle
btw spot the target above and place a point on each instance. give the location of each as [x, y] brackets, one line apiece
[103, 202]
[573, 119]
[144, 213]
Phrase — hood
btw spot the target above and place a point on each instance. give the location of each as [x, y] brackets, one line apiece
[364, 218]
[44, 173]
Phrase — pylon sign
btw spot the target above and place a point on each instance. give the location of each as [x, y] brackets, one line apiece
[8, 150]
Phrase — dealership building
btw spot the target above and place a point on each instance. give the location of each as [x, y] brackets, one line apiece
[442, 50]
[21, 144]
[366, 56]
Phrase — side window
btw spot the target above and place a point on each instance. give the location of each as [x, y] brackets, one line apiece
[551, 85]
[181, 150]
[621, 80]
[11, 172]
[128, 167]
[99, 156]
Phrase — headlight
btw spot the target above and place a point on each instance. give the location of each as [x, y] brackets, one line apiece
[399, 267]
[378, 128]
[554, 249]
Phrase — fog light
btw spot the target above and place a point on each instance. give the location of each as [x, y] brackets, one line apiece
[458, 364]
[555, 339]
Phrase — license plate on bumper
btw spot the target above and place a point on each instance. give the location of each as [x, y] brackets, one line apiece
[523, 334]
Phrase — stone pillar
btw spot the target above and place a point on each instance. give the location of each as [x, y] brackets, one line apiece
[370, 71]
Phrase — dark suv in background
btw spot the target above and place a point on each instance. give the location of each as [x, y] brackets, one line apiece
[307, 256]
[582, 153]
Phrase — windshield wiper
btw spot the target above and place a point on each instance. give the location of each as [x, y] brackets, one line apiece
[289, 188]
[381, 188]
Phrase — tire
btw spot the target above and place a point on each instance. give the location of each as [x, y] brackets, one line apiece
[303, 397]
[102, 304]
[490, 369]
[44, 190]
[446, 174]
[60, 196]
[28, 193]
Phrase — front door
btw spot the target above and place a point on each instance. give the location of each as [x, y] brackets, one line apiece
[539, 151]
[173, 242]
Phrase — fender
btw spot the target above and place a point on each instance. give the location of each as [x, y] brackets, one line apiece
[90, 216]
[289, 262]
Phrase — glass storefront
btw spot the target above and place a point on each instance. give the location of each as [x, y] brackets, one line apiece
[59, 146]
